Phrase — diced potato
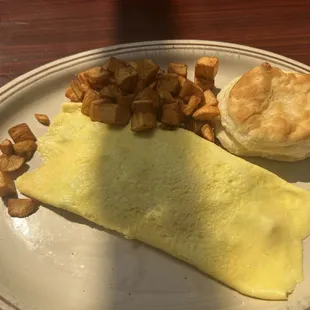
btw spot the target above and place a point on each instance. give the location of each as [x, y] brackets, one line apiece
[194, 125]
[21, 207]
[103, 111]
[77, 89]
[172, 114]
[182, 80]
[207, 67]
[97, 77]
[10, 163]
[209, 98]
[206, 113]
[165, 97]
[83, 82]
[192, 105]
[70, 94]
[126, 100]
[189, 88]
[147, 71]
[207, 132]
[153, 85]
[114, 64]
[144, 116]
[204, 84]
[109, 113]
[111, 91]
[6, 147]
[126, 78]
[178, 68]
[134, 64]
[7, 186]
[25, 149]
[21, 132]
[43, 119]
[149, 93]
[90, 96]
[168, 82]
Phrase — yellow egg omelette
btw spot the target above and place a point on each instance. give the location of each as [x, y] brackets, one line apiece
[173, 190]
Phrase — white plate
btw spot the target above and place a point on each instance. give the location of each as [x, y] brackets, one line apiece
[56, 260]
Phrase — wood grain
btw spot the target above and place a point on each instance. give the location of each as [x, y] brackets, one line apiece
[36, 32]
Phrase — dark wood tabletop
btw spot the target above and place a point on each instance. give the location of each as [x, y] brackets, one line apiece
[36, 32]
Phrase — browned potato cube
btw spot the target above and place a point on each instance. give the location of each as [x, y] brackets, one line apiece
[204, 84]
[43, 119]
[165, 97]
[168, 82]
[114, 64]
[144, 116]
[25, 149]
[84, 84]
[21, 207]
[6, 147]
[194, 125]
[123, 114]
[206, 113]
[7, 186]
[70, 94]
[109, 113]
[103, 111]
[149, 93]
[178, 68]
[147, 71]
[209, 98]
[153, 85]
[134, 64]
[189, 88]
[126, 100]
[77, 89]
[10, 163]
[21, 132]
[97, 77]
[207, 67]
[111, 91]
[207, 132]
[90, 96]
[182, 80]
[172, 114]
[126, 78]
[192, 105]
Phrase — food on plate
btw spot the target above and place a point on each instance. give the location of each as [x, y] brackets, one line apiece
[207, 132]
[266, 112]
[177, 192]
[115, 93]
[143, 116]
[25, 149]
[21, 132]
[206, 113]
[6, 147]
[21, 207]
[12, 159]
[192, 105]
[7, 185]
[11, 163]
[43, 119]
[206, 67]
[178, 68]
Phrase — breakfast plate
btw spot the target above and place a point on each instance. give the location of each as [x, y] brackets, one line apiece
[58, 260]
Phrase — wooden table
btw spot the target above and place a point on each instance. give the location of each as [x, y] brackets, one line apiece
[38, 31]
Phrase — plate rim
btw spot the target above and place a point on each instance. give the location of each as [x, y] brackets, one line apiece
[33, 75]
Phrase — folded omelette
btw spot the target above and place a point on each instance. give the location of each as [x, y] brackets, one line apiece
[173, 190]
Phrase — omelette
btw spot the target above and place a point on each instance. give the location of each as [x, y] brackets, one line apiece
[179, 193]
